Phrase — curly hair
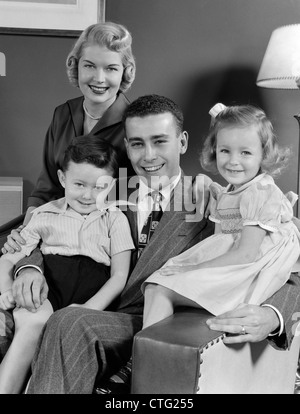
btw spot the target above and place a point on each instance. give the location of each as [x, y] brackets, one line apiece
[274, 160]
[114, 37]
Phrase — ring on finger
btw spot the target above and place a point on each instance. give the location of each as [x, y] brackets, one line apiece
[243, 330]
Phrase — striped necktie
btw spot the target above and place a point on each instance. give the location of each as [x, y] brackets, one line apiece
[151, 221]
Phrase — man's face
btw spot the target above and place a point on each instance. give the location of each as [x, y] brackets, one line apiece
[154, 147]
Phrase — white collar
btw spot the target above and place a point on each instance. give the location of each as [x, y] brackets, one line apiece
[166, 191]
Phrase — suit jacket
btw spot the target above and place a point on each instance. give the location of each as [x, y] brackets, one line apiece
[178, 230]
[287, 301]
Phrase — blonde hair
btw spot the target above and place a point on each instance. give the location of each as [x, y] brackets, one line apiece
[274, 159]
[114, 37]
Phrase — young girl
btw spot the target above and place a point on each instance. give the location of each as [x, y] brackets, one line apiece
[255, 244]
[86, 252]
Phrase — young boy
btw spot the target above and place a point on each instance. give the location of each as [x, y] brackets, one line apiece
[86, 252]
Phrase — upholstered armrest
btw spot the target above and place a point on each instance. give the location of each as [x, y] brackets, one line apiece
[6, 228]
[181, 355]
[167, 355]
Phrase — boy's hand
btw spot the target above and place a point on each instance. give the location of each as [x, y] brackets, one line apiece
[174, 269]
[7, 300]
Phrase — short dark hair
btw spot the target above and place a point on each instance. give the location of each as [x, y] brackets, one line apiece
[91, 150]
[154, 105]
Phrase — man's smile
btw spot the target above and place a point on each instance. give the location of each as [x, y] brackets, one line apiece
[153, 169]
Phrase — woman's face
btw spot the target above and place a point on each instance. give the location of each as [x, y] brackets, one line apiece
[100, 74]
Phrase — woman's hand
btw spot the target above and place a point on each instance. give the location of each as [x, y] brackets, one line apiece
[7, 300]
[14, 241]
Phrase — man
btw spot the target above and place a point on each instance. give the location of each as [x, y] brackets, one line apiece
[80, 345]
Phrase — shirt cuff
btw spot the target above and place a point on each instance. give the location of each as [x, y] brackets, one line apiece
[281, 323]
[23, 267]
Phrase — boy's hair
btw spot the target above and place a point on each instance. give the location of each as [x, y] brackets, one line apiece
[91, 150]
[243, 116]
[114, 37]
[154, 105]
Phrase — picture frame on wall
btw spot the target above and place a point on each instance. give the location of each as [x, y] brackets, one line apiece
[49, 17]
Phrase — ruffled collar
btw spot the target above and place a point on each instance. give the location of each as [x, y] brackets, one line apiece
[267, 179]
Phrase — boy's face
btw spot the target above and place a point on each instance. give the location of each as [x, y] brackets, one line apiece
[83, 183]
[154, 147]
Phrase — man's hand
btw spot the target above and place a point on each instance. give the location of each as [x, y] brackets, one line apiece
[258, 323]
[30, 289]
[14, 241]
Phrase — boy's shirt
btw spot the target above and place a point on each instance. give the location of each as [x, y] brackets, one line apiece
[63, 231]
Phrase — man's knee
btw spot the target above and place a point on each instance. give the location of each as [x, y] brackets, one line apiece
[62, 320]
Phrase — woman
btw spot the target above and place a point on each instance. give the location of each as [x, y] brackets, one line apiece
[102, 66]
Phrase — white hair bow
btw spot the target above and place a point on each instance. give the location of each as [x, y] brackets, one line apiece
[216, 109]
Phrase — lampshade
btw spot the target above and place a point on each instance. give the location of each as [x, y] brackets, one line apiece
[280, 68]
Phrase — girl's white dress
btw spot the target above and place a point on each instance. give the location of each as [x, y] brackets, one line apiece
[257, 203]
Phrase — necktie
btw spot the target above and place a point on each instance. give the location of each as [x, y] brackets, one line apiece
[151, 222]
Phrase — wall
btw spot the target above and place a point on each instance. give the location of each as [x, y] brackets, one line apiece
[35, 83]
[197, 52]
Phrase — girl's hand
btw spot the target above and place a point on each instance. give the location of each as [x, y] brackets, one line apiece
[7, 300]
[84, 305]
[172, 270]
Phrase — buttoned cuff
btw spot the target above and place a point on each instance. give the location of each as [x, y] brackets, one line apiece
[23, 267]
[278, 331]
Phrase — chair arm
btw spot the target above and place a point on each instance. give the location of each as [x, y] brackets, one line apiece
[12, 224]
[181, 355]
[6, 228]
[167, 355]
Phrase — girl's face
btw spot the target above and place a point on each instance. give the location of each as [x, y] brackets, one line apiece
[83, 183]
[100, 74]
[239, 154]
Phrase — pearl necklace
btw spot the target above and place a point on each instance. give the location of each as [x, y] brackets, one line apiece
[89, 115]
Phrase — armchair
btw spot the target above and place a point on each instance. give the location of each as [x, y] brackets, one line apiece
[181, 355]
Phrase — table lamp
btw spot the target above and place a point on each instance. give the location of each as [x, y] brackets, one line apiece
[280, 69]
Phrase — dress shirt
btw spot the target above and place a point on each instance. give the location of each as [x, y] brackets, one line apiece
[145, 201]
